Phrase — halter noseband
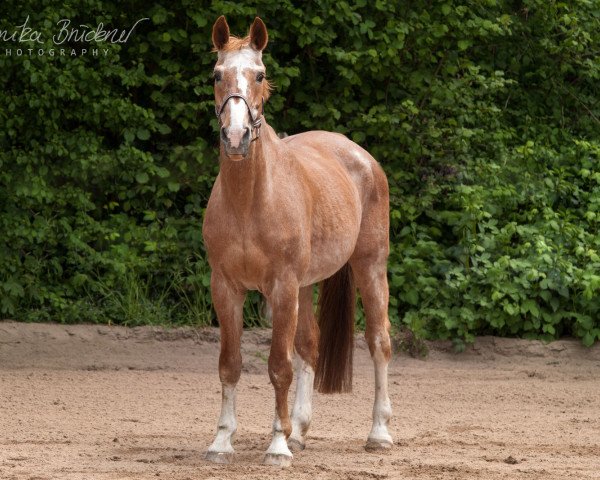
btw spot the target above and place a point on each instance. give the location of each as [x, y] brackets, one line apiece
[256, 122]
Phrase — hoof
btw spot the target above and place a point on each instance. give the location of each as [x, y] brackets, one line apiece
[278, 460]
[295, 445]
[378, 445]
[219, 457]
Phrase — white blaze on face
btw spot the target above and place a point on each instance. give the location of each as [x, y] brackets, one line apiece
[240, 61]
[238, 114]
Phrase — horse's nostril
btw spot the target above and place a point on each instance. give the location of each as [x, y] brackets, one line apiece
[235, 138]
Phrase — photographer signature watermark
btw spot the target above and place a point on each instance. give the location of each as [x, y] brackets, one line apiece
[64, 42]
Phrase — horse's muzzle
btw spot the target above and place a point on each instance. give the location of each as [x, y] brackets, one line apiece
[236, 140]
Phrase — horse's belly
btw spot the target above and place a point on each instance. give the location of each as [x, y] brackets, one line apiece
[252, 268]
[336, 214]
[330, 253]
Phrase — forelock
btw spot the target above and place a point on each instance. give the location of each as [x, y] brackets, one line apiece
[235, 43]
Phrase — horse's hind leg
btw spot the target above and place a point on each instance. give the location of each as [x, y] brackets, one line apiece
[306, 345]
[283, 299]
[370, 274]
[228, 305]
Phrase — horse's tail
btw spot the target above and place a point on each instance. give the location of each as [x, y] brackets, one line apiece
[336, 323]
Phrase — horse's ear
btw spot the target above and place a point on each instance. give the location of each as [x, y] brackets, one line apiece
[258, 34]
[220, 33]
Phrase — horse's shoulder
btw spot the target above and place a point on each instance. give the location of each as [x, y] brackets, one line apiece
[213, 220]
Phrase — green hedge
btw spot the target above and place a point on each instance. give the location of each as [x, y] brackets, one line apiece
[484, 114]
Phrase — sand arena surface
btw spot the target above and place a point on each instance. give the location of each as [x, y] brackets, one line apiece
[99, 402]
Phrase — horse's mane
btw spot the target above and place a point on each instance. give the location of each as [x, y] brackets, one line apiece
[237, 43]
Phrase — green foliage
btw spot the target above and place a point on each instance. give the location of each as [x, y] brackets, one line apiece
[485, 116]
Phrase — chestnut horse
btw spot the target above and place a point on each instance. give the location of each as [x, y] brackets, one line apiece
[283, 215]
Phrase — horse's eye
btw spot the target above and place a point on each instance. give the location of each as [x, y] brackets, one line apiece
[260, 77]
[218, 76]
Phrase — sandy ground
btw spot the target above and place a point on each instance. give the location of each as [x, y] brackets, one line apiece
[99, 402]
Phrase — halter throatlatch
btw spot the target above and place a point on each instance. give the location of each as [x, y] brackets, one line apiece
[256, 122]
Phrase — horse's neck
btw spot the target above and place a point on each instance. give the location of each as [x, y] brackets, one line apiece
[247, 183]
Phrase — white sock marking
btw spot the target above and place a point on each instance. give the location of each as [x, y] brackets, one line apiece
[302, 411]
[278, 443]
[227, 425]
[382, 408]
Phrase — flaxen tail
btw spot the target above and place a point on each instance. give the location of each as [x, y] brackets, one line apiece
[336, 323]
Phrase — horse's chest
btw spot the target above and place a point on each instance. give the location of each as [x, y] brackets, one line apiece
[246, 260]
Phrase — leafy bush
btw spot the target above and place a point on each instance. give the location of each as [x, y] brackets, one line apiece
[484, 114]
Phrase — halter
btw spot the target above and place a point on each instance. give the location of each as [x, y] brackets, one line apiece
[256, 122]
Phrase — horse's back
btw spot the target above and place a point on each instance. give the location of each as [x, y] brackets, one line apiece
[364, 171]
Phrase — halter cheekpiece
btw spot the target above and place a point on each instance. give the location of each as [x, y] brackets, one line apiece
[256, 122]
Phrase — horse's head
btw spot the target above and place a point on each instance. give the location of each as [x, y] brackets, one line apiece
[240, 85]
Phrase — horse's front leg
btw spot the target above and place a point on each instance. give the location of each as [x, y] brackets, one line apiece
[284, 303]
[228, 304]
